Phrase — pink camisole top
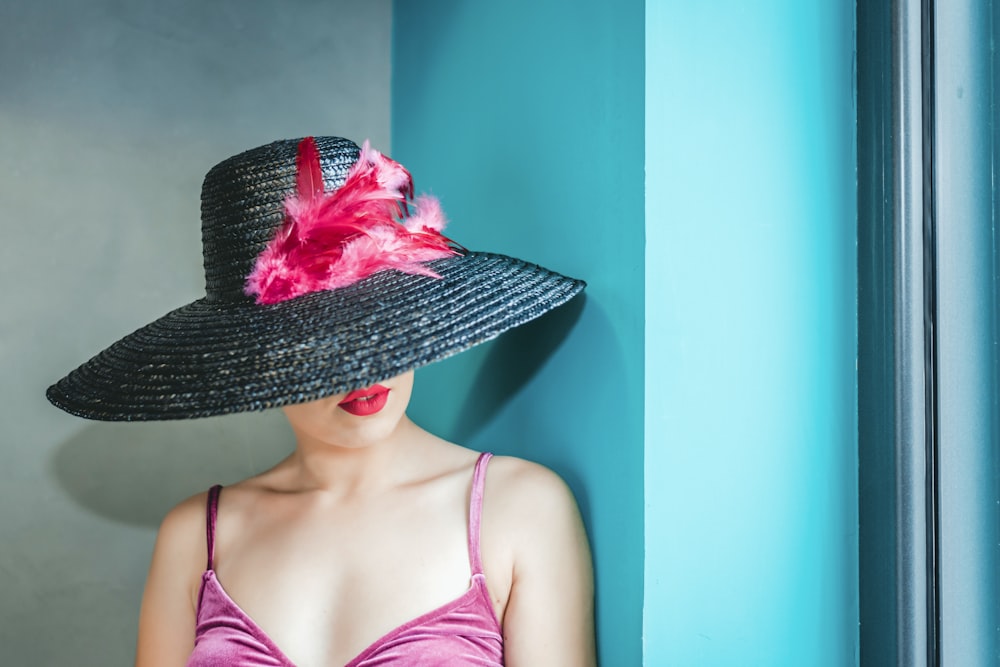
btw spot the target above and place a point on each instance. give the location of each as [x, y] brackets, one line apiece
[462, 632]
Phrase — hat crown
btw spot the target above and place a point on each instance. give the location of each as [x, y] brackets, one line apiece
[242, 206]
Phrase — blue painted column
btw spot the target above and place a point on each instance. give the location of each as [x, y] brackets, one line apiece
[526, 119]
[750, 385]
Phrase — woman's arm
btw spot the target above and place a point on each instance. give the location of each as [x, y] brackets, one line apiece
[167, 618]
[549, 619]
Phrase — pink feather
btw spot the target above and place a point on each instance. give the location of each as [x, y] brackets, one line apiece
[309, 176]
[334, 240]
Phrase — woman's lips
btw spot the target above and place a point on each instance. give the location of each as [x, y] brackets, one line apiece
[364, 402]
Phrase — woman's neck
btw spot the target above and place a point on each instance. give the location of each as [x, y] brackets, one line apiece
[358, 463]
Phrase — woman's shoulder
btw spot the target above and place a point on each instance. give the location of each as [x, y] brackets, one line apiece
[183, 535]
[517, 477]
[528, 496]
[182, 530]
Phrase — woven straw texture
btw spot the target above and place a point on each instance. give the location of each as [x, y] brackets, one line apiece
[224, 353]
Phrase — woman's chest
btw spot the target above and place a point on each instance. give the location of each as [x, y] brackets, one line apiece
[323, 588]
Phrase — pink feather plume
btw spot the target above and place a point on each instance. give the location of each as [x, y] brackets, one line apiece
[334, 240]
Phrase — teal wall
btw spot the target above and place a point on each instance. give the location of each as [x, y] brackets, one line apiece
[526, 119]
[533, 122]
[750, 417]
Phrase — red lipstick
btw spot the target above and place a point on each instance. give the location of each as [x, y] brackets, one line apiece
[364, 402]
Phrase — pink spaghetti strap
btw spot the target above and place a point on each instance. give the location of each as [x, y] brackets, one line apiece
[476, 512]
[210, 513]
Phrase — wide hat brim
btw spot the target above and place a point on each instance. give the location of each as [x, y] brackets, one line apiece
[214, 357]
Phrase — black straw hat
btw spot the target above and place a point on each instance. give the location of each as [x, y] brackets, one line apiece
[226, 352]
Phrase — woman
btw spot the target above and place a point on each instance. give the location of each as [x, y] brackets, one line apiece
[374, 542]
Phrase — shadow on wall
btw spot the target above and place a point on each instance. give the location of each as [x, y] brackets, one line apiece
[134, 473]
[512, 360]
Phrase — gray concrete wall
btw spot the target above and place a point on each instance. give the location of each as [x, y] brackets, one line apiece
[111, 112]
